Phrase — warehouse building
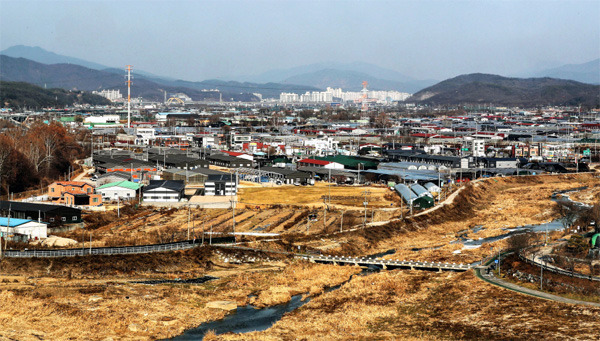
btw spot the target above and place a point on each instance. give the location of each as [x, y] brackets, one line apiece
[52, 214]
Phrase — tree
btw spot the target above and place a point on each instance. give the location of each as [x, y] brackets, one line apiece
[567, 211]
[521, 241]
[6, 148]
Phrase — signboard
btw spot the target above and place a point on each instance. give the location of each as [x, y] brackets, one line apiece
[587, 152]
[496, 261]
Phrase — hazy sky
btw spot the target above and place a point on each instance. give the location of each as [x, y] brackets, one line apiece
[196, 40]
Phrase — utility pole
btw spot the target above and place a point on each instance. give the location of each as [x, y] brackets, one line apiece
[365, 203]
[188, 224]
[541, 273]
[128, 68]
[329, 185]
[342, 222]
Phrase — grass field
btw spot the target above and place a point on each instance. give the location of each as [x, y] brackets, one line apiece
[313, 195]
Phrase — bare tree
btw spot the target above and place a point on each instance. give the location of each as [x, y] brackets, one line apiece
[568, 212]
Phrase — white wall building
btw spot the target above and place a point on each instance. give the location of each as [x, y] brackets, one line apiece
[113, 119]
[30, 228]
[123, 190]
[112, 95]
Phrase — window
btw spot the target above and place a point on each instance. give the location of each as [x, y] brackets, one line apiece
[89, 190]
[51, 220]
[64, 218]
[95, 200]
[52, 189]
[74, 218]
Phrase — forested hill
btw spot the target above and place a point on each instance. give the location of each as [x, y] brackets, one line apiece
[528, 92]
[25, 95]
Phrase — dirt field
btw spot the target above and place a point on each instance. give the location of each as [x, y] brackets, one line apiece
[313, 195]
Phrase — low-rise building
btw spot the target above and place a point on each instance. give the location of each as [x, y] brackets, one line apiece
[23, 229]
[53, 214]
[122, 190]
[319, 163]
[164, 191]
[74, 193]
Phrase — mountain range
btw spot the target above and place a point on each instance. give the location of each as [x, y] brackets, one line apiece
[586, 72]
[480, 88]
[52, 70]
[348, 76]
[76, 77]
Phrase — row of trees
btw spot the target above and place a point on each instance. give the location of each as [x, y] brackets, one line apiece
[35, 156]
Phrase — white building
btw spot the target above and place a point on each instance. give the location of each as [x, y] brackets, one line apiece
[322, 146]
[122, 190]
[164, 191]
[105, 119]
[145, 135]
[478, 148]
[30, 229]
[287, 97]
[112, 95]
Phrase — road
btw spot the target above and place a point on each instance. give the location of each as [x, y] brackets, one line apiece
[490, 278]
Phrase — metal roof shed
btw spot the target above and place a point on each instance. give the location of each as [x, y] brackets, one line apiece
[420, 190]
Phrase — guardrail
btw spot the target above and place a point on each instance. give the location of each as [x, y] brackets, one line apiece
[390, 263]
[558, 270]
[119, 250]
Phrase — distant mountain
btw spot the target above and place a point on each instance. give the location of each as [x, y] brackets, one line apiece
[21, 95]
[586, 73]
[75, 77]
[349, 81]
[40, 55]
[268, 90]
[529, 92]
[309, 74]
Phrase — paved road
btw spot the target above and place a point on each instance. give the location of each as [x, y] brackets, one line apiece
[490, 278]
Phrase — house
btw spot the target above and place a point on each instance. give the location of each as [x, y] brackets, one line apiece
[23, 229]
[57, 189]
[122, 190]
[164, 191]
[319, 163]
[73, 193]
[221, 184]
[53, 214]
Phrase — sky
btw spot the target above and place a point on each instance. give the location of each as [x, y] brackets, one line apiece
[197, 40]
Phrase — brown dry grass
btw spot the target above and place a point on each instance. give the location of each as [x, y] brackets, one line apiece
[420, 305]
[62, 308]
[312, 195]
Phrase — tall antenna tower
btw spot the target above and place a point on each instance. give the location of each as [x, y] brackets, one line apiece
[128, 68]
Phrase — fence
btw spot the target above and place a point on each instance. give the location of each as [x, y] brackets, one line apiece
[120, 250]
[558, 270]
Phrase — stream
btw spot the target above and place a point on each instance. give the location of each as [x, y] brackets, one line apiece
[248, 318]
[554, 225]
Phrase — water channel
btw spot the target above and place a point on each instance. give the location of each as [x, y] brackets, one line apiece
[248, 318]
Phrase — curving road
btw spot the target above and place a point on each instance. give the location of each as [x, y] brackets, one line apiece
[489, 277]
